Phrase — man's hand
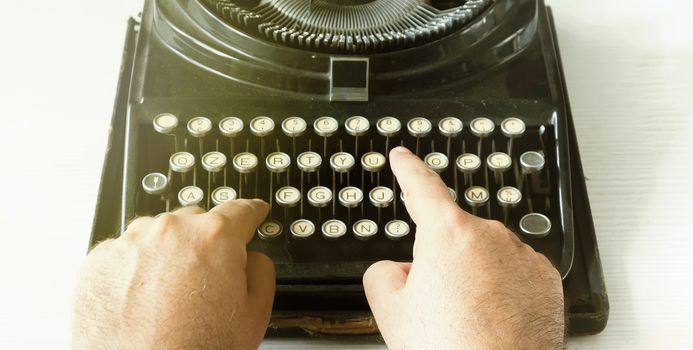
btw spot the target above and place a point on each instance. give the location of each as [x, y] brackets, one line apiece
[183, 280]
[472, 284]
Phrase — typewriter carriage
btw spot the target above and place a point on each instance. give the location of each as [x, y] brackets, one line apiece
[204, 39]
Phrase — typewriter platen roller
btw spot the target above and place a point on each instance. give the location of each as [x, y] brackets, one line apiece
[299, 102]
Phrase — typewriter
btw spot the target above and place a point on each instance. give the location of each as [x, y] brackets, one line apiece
[298, 102]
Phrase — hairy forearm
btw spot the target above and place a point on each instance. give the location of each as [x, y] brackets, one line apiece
[523, 329]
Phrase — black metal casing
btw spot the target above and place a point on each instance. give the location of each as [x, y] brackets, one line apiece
[181, 58]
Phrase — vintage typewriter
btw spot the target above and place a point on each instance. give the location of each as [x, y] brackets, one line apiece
[298, 102]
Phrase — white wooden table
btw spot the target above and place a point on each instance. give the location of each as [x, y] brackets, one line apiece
[629, 66]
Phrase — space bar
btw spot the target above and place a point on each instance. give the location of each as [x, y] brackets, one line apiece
[319, 273]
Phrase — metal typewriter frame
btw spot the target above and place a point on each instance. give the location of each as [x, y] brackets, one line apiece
[587, 308]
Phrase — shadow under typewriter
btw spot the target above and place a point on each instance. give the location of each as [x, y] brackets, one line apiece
[217, 102]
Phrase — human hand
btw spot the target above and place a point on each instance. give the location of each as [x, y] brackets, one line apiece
[182, 280]
[472, 283]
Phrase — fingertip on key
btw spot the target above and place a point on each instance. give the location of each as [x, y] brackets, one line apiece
[401, 149]
[261, 202]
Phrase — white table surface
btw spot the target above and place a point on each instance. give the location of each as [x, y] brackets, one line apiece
[629, 66]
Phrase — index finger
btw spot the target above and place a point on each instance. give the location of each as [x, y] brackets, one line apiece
[427, 198]
[243, 216]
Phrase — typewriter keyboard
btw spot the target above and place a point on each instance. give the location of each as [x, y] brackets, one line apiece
[329, 180]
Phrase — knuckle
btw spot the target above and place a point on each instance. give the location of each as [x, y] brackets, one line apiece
[455, 223]
[428, 174]
[496, 226]
[481, 228]
[101, 247]
[134, 222]
[527, 249]
[215, 224]
[495, 229]
[481, 232]
[241, 208]
[165, 222]
[245, 208]
[128, 236]
[456, 219]
[544, 260]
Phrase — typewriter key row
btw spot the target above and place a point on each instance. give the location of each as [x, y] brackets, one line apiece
[533, 224]
[362, 229]
[356, 126]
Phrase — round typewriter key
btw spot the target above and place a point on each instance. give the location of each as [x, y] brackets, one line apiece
[262, 126]
[388, 126]
[468, 163]
[476, 196]
[342, 162]
[278, 162]
[419, 127]
[213, 162]
[350, 197]
[535, 225]
[333, 228]
[482, 127]
[437, 161]
[230, 126]
[509, 197]
[181, 162]
[373, 161]
[154, 183]
[190, 195]
[165, 123]
[325, 126]
[270, 229]
[396, 229]
[512, 127]
[450, 126]
[223, 194]
[302, 228]
[381, 197]
[498, 162]
[401, 196]
[319, 196]
[357, 125]
[532, 162]
[453, 194]
[245, 162]
[309, 161]
[288, 196]
[364, 229]
[199, 126]
[294, 126]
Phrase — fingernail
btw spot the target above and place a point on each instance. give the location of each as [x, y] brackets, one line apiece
[402, 149]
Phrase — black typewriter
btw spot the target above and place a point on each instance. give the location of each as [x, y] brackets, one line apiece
[299, 101]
